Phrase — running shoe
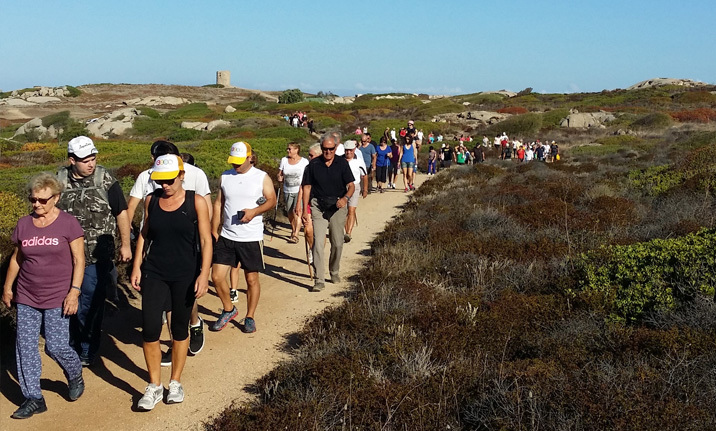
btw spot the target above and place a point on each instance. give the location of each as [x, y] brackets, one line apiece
[76, 387]
[196, 337]
[224, 319]
[153, 394]
[234, 295]
[249, 325]
[29, 408]
[176, 392]
[167, 358]
[412, 187]
[318, 287]
[406, 190]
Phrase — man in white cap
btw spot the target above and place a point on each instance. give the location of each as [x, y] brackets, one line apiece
[245, 193]
[95, 198]
[359, 171]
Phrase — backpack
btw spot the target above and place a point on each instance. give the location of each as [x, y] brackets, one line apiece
[97, 178]
[191, 212]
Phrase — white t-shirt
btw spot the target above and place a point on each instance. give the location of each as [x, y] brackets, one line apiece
[194, 179]
[529, 155]
[358, 169]
[242, 191]
[292, 174]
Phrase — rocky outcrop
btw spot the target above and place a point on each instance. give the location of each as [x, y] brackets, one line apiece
[471, 117]
[198, 125]
[229, 109]
[339, 100]
[35, 129]
[585, 120]
[115, 123]
[666, 81]
[40, 96]
[157, 101]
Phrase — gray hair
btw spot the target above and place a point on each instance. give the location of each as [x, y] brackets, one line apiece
[44, 180]
[315, 148]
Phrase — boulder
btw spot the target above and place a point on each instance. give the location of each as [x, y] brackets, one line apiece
[195, 125]
[217, 124]
[229, 109]
[43, 99]
[585, 120]
[17, 102]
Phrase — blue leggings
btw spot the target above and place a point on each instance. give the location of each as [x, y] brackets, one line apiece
[57, 346]
[431, 166]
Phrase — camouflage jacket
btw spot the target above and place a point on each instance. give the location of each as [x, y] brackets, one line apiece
[86, 199]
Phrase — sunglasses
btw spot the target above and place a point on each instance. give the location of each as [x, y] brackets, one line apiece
[167, 182]
[33, 200]
[328, 149]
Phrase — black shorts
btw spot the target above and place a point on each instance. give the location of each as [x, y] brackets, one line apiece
[232, 253]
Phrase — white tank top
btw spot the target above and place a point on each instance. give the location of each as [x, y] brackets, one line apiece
[242, 191]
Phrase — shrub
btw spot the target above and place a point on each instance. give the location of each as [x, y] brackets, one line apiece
[525, 124]
[56, 119]
[656, 120]
[554, 117]
[652, 276]
[291, 96]
[701, 115]
[181, 135]
[153, 127]
[74, 91]
[193, 111]
[149, 112]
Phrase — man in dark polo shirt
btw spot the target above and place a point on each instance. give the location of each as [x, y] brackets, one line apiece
[327, 187]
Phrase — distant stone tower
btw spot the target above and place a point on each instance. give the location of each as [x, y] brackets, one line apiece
[223, 77]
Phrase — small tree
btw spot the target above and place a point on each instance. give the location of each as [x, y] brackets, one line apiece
[291, 96]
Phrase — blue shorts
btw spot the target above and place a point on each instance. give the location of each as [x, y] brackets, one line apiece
[407, 165]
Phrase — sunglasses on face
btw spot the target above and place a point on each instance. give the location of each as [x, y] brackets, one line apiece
[33, 200]
[324, 149]
[167, 182]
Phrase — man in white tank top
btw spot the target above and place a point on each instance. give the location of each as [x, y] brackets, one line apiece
[245, 193]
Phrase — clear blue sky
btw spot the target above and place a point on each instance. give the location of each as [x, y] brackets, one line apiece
[436, 47]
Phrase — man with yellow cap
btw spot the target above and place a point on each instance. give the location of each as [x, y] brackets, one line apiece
[245, 193]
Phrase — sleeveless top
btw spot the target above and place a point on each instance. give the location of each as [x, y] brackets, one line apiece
[242, 191]
[408, 154]
[172, 254]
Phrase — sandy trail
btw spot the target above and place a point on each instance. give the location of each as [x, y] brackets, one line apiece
[231, 360]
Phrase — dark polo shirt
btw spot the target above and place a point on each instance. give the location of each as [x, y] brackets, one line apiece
[328, 181]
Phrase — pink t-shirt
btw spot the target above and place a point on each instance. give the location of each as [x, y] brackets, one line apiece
[46, 266]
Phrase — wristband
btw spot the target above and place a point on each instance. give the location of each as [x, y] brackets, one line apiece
[78, 289]
[347, 197]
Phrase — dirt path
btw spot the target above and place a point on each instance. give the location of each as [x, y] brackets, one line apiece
[231, 360]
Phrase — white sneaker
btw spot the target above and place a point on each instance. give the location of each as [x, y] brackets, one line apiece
[234, 295]
[153, 394]
[176, 392]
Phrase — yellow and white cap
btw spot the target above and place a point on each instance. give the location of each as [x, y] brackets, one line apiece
[166, 167]
[239, 152]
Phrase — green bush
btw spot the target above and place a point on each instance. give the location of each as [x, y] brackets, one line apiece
[652, 276]
[291, 96]
[181, 135]
[56, 119]
[552, 118]
[74, 91]
[192, 111]
[150, 112]
[153, 127]
[525, 124]
[656, 120]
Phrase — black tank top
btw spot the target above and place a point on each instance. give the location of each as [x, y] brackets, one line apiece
[172, 254]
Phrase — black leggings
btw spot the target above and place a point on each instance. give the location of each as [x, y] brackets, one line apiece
[381, 174]
[155, 295]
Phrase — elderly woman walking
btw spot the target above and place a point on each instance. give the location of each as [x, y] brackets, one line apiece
[48, 264]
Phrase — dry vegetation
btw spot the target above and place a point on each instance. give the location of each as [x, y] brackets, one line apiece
[575, 295]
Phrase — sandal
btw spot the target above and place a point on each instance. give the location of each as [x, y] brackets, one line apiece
[293, 240]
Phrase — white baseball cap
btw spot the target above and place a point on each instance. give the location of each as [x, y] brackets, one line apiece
[239, 152]
[81, 146]
[350, 145]
[166, 167]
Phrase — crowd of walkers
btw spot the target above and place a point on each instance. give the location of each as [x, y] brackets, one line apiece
[63, 263]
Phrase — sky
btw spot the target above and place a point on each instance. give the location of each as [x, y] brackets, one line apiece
[435, 47]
